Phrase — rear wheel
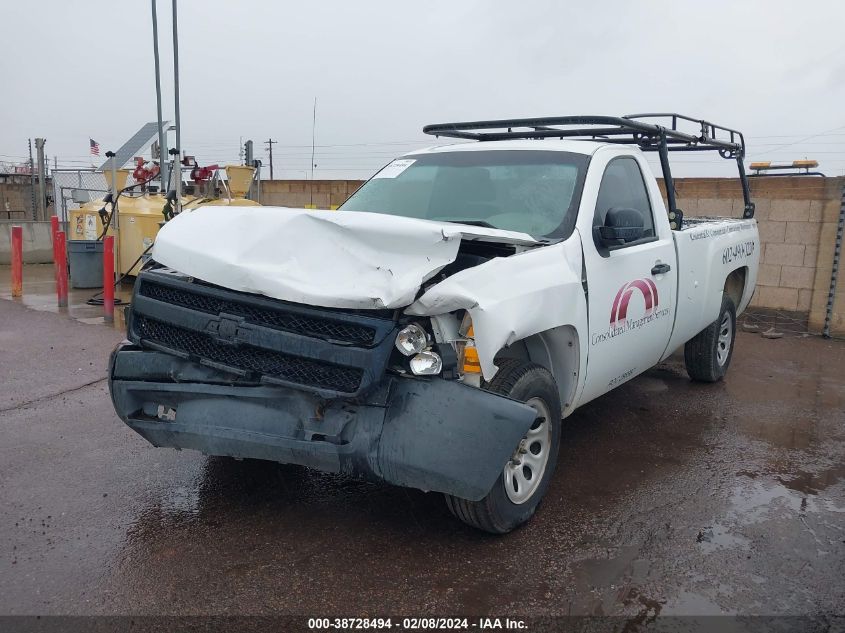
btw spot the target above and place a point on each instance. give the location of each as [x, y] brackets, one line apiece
[708, 355]
[527, 474]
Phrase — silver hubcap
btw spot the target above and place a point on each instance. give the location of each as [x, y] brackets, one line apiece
[524, 471]
[723, 345]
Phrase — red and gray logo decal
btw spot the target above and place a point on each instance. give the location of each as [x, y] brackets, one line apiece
[619, 311]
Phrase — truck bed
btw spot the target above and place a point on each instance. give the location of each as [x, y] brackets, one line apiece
[707, 249]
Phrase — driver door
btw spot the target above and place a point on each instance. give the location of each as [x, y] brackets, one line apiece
[631, 286]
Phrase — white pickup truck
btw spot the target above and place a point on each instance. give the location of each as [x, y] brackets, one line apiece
[437, 329]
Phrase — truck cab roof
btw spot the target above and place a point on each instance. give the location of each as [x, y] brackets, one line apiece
[588, 148]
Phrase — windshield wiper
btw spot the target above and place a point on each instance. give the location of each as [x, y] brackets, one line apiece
[486, 225]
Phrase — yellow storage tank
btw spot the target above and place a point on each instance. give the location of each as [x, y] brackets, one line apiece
[240, 179]
[138, 222]
[137, 226]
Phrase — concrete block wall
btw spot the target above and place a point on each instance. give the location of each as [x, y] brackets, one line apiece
[797, 219]
[37, 247]
[15, 201]
[16, 198]
[323, 194]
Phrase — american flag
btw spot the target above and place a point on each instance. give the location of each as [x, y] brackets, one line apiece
[95, 147]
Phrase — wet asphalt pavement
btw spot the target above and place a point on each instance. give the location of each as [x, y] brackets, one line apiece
[670, 498]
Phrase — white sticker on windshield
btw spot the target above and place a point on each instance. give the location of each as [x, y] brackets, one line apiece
[395, 168]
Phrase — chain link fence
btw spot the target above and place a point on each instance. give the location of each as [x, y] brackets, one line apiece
[74, 187]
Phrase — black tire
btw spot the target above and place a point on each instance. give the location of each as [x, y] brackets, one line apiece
[497, 513]
[706, 356]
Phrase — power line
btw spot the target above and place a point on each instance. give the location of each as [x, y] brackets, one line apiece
[422, 140]
[806, 138]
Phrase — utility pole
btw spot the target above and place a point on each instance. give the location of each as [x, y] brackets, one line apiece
[313, 141]
[269, 144]
[31, 182]
[42, 180]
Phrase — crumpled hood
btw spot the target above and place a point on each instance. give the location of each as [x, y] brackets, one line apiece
[345, 259]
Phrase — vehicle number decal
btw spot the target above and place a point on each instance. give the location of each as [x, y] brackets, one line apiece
[737, 251]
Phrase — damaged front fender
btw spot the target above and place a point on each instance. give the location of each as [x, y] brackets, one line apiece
[512, 298]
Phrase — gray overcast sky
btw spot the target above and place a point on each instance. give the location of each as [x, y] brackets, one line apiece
[383, 69]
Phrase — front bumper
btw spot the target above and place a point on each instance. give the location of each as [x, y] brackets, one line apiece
[430, 434]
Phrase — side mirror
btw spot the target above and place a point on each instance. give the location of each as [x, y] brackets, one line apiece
[621, 226]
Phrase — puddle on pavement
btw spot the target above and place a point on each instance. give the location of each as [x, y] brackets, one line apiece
[717, 536]
[798, 492]
[781, 429]
[762, 500]
[758, 498]
[648, 609]
[39, 293]
[252, 487]
[611, 581]
[617, 581]
[812, 483]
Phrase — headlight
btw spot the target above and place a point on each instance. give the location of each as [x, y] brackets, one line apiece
[426, 364]
[411, 340]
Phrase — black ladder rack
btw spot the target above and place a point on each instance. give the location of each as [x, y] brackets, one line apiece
[632, 129]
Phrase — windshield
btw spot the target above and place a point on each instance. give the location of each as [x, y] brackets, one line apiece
[534, 192]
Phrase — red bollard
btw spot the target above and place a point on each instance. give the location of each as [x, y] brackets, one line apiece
[54, 228]
[17, 261]
[108, 278]
[61, 269]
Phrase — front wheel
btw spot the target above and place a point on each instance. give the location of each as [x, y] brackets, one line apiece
[708, 355]
[527, 474]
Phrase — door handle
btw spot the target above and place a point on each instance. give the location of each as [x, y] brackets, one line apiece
[660, 269]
